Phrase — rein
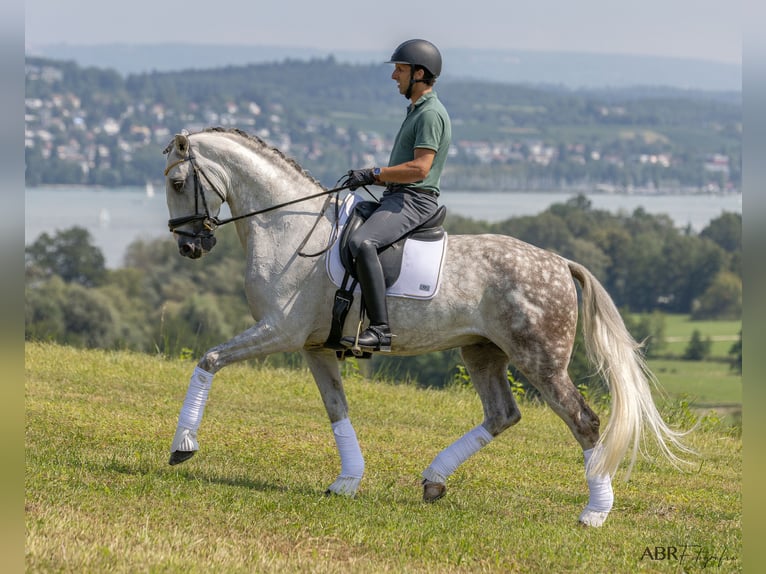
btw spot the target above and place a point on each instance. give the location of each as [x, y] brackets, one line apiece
[210, 223]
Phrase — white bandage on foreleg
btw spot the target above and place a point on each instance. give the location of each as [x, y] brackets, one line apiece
[601, 496]
[447, 461]
[196, 397]
[351, 460]
[185, 439]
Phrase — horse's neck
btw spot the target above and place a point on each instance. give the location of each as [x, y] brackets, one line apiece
[263, 182]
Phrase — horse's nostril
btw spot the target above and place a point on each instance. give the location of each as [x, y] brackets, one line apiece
[186, 249]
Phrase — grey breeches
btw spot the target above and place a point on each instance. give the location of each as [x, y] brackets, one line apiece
[399, 213]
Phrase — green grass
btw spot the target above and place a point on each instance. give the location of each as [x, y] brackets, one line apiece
[100, 497]
[679, 329]
[704, 382]
[706, 385]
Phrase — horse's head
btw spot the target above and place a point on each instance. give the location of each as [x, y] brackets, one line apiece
[193, 208]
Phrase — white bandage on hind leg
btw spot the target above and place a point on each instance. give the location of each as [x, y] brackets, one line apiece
[447, 461]
[191, 411]
[600, 487]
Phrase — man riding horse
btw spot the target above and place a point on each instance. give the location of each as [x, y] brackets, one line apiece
[411, 179]
[500, 300]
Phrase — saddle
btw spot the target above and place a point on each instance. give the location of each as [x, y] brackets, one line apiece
[391, 258]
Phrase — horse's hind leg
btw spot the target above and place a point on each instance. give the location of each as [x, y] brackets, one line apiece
[568, 403]
[326, 371]
[487, 365]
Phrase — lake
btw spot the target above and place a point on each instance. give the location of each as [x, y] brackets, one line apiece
[117, 217]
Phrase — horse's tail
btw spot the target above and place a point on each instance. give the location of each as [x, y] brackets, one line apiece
[617, 357]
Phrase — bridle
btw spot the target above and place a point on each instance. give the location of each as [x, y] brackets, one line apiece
[211, 222]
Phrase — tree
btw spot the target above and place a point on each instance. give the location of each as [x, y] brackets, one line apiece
[89, 318]
[698, 348]
[44, 311]
[70, 254]
[736, 354]
[69, 313]
[648, 329]
[722, 300]
[725, 231]
[686, 267]
[195, 324]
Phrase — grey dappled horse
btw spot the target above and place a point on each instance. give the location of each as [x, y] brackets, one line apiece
[501, 301]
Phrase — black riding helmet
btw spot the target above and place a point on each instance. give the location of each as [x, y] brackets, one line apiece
[418, 53]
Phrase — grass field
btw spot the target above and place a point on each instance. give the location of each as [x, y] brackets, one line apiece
[704, 384]
[100, 497]
[679, 329]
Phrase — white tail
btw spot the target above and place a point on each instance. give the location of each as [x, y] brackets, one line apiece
[617, 357]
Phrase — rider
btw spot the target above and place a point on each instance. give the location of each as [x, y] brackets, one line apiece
[411, 179]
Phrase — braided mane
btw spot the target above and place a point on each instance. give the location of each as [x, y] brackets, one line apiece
[260, 144]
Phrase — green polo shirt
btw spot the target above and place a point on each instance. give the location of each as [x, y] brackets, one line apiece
[427, 125]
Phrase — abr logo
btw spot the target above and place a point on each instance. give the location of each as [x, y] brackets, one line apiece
[660, 553]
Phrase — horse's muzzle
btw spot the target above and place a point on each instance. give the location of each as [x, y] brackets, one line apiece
[195, 247]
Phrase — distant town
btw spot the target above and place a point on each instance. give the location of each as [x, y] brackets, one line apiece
[85, 126]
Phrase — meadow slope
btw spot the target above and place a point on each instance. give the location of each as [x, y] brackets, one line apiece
[100, 496]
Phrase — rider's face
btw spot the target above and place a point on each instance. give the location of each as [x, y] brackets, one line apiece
[401, 75]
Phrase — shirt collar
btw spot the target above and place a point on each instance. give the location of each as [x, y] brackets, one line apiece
[421, 100]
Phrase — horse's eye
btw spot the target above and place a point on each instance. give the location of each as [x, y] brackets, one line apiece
[178, 184]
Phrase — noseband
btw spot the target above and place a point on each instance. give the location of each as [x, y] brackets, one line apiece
[209, 223]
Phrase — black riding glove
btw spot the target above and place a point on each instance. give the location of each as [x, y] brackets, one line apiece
[356, 178]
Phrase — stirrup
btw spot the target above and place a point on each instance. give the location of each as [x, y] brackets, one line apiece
[358, 343]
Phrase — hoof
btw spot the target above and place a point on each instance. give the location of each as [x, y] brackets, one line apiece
[344, 486]
[433, 491]
[329, 492]
[180, 456]
[593, 518]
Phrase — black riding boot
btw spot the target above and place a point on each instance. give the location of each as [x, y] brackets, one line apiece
[377, 337]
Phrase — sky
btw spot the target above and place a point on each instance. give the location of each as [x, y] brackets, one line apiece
[690, 29]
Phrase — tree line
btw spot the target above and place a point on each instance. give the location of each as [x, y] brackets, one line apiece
[160, 302]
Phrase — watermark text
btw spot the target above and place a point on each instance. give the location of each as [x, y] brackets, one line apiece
[697, 555]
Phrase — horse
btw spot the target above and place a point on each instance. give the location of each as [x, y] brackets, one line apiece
[501, 301]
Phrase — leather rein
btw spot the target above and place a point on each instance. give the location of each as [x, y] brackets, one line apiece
[211, 222]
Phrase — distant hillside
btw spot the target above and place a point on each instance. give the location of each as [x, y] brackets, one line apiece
[93, 126]
[573, 70]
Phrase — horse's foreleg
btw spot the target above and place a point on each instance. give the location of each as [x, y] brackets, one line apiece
[326, 371]
[185, 443]
[487, 365]
[260, 340]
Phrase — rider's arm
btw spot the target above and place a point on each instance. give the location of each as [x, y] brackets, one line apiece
[411, 171]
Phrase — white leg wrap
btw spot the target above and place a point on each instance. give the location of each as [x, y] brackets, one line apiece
[189, 420]
[447, 461]
[601, 496]
[351, 459]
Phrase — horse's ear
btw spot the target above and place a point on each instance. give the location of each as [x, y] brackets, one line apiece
[182, 143]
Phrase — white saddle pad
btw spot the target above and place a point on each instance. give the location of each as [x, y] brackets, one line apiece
[422, 261]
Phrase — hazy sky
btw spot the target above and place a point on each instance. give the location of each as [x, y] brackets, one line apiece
[699, 29]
